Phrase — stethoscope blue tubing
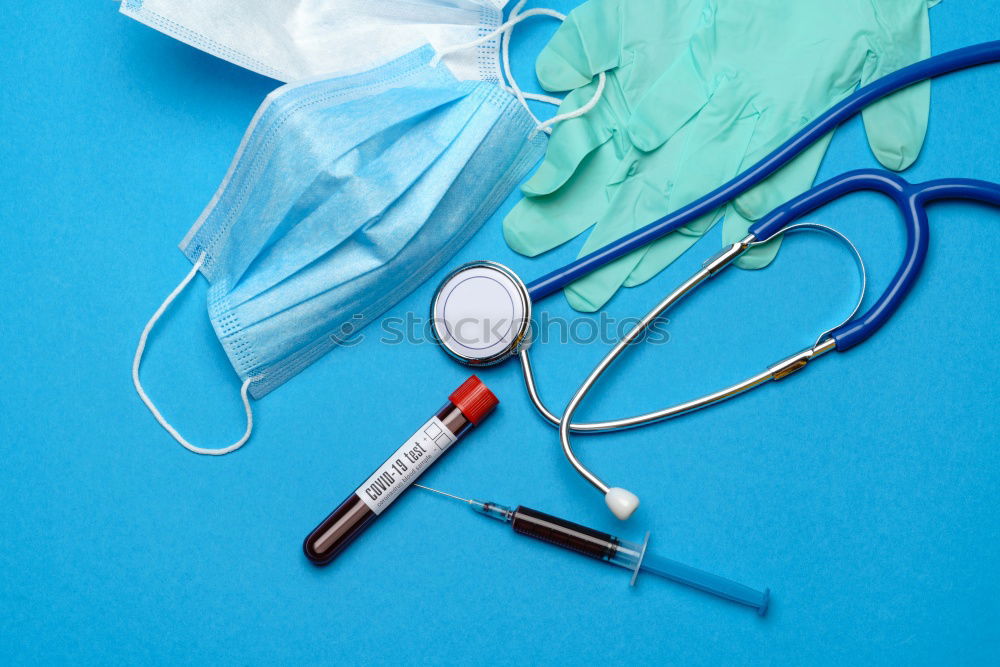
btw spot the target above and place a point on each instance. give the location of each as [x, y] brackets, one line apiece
[911, 199]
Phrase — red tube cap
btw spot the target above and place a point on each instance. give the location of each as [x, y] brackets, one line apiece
[474, 400]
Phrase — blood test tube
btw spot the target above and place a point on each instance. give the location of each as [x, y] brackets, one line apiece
[467, 406]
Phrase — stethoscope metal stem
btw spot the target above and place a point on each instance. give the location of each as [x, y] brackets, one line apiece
[708, 270]
[776, 371]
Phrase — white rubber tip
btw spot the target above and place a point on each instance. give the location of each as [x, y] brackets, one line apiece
[621, 502]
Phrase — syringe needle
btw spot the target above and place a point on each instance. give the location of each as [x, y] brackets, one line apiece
[491, 510]
[427, 488]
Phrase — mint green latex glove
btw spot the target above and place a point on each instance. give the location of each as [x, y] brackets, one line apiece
[749, 76]
[629, 40]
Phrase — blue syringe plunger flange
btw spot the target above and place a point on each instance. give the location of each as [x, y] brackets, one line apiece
[638, 561]
[635, 557]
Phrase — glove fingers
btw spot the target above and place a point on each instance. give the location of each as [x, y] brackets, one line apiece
[634, 202]
[590, 293]
[664, 252]
[638, 193]
[897, 125]
[790, 181]
[587, 42]
[571, 142]
[538, 224]
[715, 145]
[672, 101]
[734, 228]
[686, 84]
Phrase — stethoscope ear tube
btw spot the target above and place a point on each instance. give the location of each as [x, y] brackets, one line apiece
[911, 200]
[856, 255]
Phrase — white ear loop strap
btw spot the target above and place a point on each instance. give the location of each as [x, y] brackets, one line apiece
[513, 88]
[504, 30]
[149, 403]
[521, 95]
[576, 113]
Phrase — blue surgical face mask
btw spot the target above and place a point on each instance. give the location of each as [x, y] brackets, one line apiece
[345, 195]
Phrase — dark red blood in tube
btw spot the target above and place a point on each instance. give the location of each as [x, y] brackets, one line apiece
[466, 407]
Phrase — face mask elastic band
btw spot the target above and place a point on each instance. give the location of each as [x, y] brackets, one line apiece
[149, 403]
[514, 89]
[504, 31]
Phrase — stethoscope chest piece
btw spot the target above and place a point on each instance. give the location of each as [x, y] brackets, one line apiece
[481, 313]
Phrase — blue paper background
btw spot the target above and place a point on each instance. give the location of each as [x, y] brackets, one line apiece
[863, 492]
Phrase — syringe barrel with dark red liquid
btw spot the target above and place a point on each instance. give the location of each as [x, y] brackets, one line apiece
[466, 407]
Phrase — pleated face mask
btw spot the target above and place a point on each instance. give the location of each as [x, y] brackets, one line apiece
[295, 39]
[346, 194]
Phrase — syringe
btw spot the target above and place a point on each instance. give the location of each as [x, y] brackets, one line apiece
[610, 549]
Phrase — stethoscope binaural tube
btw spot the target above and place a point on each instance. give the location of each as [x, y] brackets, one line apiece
[911, 201]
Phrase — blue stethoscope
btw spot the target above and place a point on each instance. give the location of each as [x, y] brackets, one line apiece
[482, 311]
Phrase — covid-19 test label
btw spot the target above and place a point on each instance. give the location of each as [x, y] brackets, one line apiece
[405, 465]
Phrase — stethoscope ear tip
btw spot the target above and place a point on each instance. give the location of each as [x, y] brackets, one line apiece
[621, 502]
